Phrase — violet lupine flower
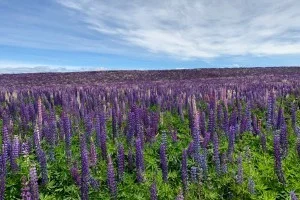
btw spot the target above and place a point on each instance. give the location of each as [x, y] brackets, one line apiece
[203, 162]
[36, 138]
[184, 173]
[270, 111]
[5, 143]
[206, 139]
[88, 126]
[248, 117]
[163, 162]
[43, 164]
[103, 137]
[111, 182]
[120, 161]
[211, 122]
[2, 174]
[226, 121]
[280, 118]
[202, 124]
[25, 194]
[293, 115]
[139, 160]
[293, 195]
[84, 189]
[223, 163]
[298, 146]
[25, 148]
[251, 186]
[283, 139]
[95, 184]
[216, 156]
[153, 191]
[174, 136]
[67, 131]
[130, 160]
[240, 170]
[190, 149]
[98, 131]
[194, 174]
[75, 174]
[263, 142]
[277, 155]
[93, 154]
[15, 153]
[164, 137]
[114, 122]
[180, 196]
[231, 139]
[34, 183]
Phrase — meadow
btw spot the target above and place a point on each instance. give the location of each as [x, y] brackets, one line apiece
[173, 134]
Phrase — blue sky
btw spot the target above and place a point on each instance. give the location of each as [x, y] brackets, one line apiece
[72, 35]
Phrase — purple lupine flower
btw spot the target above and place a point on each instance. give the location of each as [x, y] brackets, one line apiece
[130, 160]
[211, 122]
[139, 160]
[194, 174]
[5, 143]
[248, 117]
[190, 150]
[88, 126]
[75, 174]
[280, 118]
[263, 142]
[111, 182]
[15, 148]
[25, 148]
[95, 184]
[184, 173]
[206, 139]
[67, 131]
[270, 111]
[98, 131]
[277, 155]
[293, 195]
[153, 191]
[226, 121]
[25, 190]
[251, 186]
[223, 163]
[93, 154]
[239, 177]
[43, 164]
[36, 138]
[103, 137]
[2, 174]
[216, 156]
[298, 146]
[114, 122]
[34, 183]
[120, 161]
[283, 139]
[164, 137]
[231, 139]
[293, 115]
[174, 136]
[180, 196]
[203, 162]
[84, 189]
[202, 124]
[163, 162]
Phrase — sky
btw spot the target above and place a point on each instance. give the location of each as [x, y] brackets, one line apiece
[73, 35]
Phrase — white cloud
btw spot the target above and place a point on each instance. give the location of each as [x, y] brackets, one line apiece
[197, 29]
[9, 67]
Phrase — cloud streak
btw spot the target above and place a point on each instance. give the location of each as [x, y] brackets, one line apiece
[17, 68]
[196, 29]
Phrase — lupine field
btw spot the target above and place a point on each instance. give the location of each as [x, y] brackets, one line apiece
[183, 134]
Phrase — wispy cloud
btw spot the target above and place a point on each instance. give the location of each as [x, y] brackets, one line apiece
[197, 29]
[8, 67]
